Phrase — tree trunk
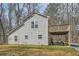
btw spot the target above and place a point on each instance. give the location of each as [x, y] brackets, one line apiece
[3, 31]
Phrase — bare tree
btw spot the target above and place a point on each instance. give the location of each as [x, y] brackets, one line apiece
[32, 8]
[18, 12]
[51, 11]
[10, 9]
[1, 18]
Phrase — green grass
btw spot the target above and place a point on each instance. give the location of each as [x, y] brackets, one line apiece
[31, 50]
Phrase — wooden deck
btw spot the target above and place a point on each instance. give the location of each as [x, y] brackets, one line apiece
[58, 31]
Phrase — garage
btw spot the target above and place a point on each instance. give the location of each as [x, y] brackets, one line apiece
[59, 38]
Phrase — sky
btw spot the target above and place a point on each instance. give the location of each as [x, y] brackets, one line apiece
[42, 7]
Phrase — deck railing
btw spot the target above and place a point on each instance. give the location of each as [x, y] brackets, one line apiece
[59, 28]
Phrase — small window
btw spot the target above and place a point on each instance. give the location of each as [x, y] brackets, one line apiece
[26, 37]
[15, 38]
[32, 24]
[39, 36]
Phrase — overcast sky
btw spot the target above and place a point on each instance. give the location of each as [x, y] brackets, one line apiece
[42, 7]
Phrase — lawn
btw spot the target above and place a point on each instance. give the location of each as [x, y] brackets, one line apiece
[35, 50]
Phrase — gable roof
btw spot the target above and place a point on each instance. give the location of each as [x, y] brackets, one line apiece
[24, 20]
[31, 15]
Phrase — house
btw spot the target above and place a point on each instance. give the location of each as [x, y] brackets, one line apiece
[33, 30]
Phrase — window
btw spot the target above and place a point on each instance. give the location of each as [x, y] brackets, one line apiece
[26, 37]
[15, 38]
[32, 24]
[39, 36]
[36, 24]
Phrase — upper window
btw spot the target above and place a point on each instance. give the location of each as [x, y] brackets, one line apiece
[15, 38]
[26, 37]
[34, 24]
[39, 36]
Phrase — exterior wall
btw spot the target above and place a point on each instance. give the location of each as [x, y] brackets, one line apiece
[31, 32]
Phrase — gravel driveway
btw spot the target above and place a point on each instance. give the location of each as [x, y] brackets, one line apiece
[75, 47]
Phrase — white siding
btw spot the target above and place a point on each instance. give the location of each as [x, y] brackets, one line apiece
[31, 32]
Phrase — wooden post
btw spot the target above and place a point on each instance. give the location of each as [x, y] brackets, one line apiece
[69, 36]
